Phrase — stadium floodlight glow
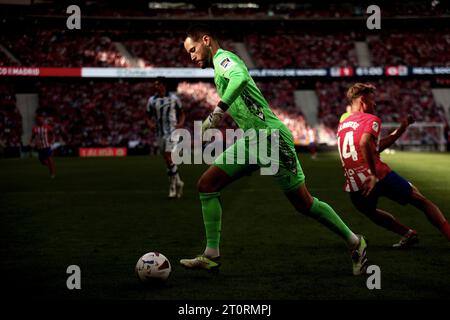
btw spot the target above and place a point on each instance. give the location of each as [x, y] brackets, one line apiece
[170, 5]
[237, 5]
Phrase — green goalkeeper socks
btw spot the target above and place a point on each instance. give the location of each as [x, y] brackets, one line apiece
[212, 217]
[323, 213]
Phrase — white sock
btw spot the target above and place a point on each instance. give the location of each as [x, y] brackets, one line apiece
[353, 241]
[211, 252]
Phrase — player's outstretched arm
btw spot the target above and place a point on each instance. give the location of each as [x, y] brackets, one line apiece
[388, 141]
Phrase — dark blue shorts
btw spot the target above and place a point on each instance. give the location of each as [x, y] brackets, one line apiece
[392, 186]
[44, 153]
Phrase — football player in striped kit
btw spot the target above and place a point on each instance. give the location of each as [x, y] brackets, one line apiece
[165, 115]
[42, 137]
[368, 178]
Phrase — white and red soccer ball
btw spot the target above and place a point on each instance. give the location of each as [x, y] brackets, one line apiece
[153, 267]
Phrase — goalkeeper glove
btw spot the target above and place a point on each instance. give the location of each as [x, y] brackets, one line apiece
[213, 120]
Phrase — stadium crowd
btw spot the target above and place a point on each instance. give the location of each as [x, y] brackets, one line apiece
[395, 99]
[311, 50]
[112, 113]
[411, 49]
[10, 119]
[61, 48]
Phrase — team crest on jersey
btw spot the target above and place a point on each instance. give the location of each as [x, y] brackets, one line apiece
[226, 63]
[375, 126]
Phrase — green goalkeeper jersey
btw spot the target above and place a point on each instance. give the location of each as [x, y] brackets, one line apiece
[236, 88]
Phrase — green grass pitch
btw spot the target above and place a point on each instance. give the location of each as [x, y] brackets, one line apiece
[102, 214]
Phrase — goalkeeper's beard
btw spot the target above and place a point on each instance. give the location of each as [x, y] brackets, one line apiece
[208, 60]
[207, 64]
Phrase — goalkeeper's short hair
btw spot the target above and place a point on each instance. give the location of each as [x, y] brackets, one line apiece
[196, 31]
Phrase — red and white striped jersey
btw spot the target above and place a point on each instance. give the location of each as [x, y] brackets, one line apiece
[41, 136]
[349, 134]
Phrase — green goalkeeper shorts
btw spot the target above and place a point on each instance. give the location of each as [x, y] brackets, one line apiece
[245, 156]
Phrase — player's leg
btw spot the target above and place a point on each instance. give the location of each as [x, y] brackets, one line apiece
[51, 167]
[400, 190]
[209, 186]
[172, 173]
[213, 180]
[176, 184]
[44, 159]
[432, 212]
[304, 203]
[171, 168]
[368, 207]
[291, 180]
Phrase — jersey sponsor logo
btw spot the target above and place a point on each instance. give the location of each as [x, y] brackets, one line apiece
[375, 126]
[226, 63]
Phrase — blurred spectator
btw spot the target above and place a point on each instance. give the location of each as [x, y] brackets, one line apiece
[10, 118]
[301, 50]
[395, 100]
[62, 48]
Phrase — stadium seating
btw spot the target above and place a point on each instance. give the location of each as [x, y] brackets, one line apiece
[61, 48]
[112, 113]
[5, 61]
[10, 118]
[410, 49]
[395, 100]
[301, 50]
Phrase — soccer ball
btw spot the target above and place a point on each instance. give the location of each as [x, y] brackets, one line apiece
[153, 267]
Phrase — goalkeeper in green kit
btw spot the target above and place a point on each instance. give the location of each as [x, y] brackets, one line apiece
[241, 98]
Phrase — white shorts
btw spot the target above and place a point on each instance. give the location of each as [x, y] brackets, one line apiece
[168, 143]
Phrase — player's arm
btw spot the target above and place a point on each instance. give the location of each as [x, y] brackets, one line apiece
[150, 122]
[368, 150]
[388, 141]
[238, 78]
[149, 119]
